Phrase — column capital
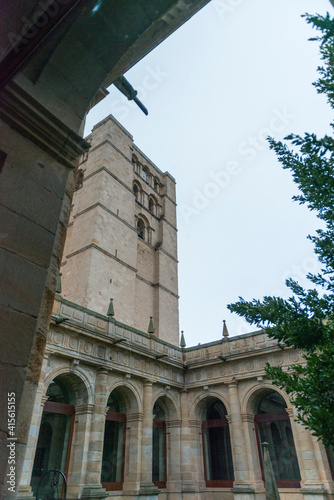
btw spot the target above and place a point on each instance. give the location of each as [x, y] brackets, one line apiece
[195, 423]
[147, 383]
[247, 417]
[173, 423]
[85, 408]
[290, 412]
[232, 383]
[44, 400]
[135, 417]
[102, 371]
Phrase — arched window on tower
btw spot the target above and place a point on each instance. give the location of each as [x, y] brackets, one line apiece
[141, 228]
[137, 191]
[136, 164]
[159, 462]
[218, 461]
[273, 426]
[152, 206]
[145, 174]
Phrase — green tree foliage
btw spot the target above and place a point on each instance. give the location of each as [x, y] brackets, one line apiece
[306, 320]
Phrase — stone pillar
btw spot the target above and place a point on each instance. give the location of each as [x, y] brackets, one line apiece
[173, 428]
[25, 490]
[37, 182]
[147, 488]
[93, 487]
[251, 448]
[187, 466]
[312, 486]
[133, 453]
[323, 464]
[80, 447]
[241, 488]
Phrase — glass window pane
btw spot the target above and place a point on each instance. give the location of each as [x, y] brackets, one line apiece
[113, 452]
[218, 455]
[52, 445]
[278, 435]
[159, 454]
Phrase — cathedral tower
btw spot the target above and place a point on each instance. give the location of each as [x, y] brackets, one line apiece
[122, 237]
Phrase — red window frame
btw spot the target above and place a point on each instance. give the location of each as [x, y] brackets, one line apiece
[162, 425]
[272, 417]
[117, 417]
[206, 424]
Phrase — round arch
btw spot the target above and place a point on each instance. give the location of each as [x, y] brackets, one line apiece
[254, 393]
[200, 404]
[81, 386]
[130, 393]
[170, 405]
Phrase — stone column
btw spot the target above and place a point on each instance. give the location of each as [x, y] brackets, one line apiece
[251, 448]
[173, 428]
[241, 488]
[133, 453]
[187, 466]
[312, 486]
[147, 488]
[93, 487]
[25, 490]
[80, 447]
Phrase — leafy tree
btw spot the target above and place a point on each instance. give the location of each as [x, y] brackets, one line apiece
[306, 320]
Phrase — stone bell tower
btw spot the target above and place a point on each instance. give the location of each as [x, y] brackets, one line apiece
[122, 238]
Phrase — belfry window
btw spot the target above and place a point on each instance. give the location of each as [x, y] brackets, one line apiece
[159, 467]
[273, 426]
[141, 229]
[112, 472]
[151, 205]
[145, 173]
[218, 461]
[136, 191]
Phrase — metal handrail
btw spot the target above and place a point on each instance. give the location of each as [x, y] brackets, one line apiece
[54, 484]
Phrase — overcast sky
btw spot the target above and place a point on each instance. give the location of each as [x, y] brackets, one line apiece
[238, 71]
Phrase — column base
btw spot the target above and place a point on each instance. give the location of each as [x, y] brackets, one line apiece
[94, 491]
[148, 491]
[188, 487]
[24, 493]
[243, 491]
[314, 492]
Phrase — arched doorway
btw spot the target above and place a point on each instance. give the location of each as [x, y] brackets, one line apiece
[159, 454]
[112, 472]
[218, 463]
[56, 430]
[273, 426]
